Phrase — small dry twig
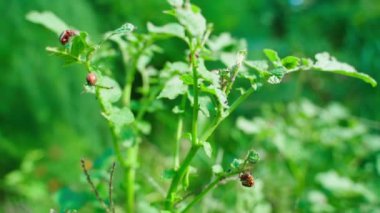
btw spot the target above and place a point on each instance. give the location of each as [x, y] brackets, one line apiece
[101, 201]
[110, 187]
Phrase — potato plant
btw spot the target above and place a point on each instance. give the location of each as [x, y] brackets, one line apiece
[214, 77]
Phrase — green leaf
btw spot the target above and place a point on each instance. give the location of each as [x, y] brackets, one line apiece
[69, 59]
[273, 57]
[120, 117]
[207, 148]
[204, 102]
[217, 169]
[172, 29]
[290, 62]
[125, 28]
[253, 156]
[221, 97]
[173, 88]
[110, 90]
[168, 173]
[144, 127]
[274, 80]
[218, 43]
[260, 65]
[277, 75]
[327, 63]
[343, 186]
[236, 163]
[175, 3]
[278, 72]
[187, 79]
[192, 20]
[79, 44]
[48, 20]
[205, 74]
[306, 63]
[186, 179]
[177, 110]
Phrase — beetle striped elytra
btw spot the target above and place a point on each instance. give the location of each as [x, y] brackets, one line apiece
[66, 35]
[247, 179]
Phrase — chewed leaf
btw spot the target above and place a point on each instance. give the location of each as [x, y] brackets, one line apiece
[110, 91]
[327, 63]
[120, 117]
[192, 20]
[48, 20]
[125, 28]
[172, 29]
[173, 88]
[218, 43]
[261, 66]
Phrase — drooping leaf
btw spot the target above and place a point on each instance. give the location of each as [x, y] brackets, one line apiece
[192, 20]
[48, 20]
[171, 29]
[207, 148]
[327, 63]
[69, 59]
[173, 88]
[273, 57]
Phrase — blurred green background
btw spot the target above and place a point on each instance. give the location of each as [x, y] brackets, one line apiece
[318, 156]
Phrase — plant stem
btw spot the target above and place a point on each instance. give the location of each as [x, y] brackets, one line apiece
[194, 127]
[179, 133]
[239, 100]
[130, 175]
[181, 171]
[194, 149]
[208, 189]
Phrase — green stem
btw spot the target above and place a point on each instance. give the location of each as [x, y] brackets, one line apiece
[194, 149]
[194, 127]
[240, 100]
[170, 198]
[130, 175]
[179, 133]
[208, 189]
[202, 194]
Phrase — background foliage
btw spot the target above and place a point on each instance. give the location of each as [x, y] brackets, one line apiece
[47, 125]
